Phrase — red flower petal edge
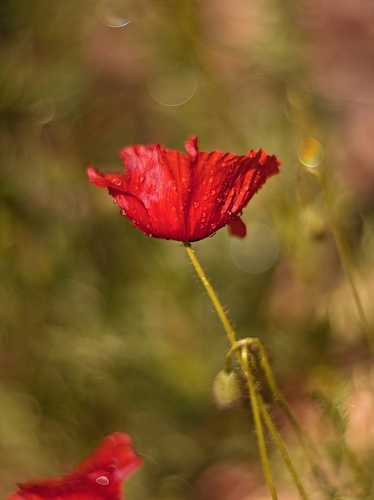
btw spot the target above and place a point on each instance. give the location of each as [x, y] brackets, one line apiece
[167, 194]
[98, 477]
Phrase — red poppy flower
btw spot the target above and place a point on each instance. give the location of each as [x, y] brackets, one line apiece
[98, 477]
[167, 194]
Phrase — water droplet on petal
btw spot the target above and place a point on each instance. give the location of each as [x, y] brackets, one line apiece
[173, 209]
[103, 480]
[213, 192]
[184, 179]
[141, 179]
[196, 204]
[123, 212]
[118, 182]
[114, 201]
[202, 226]
[232, 192]
[211, 179]
[205, 197]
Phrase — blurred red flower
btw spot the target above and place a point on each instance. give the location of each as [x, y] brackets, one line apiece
[98, 477]
[167, 194]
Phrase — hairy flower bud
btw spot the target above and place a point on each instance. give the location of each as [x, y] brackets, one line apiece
[227, 389]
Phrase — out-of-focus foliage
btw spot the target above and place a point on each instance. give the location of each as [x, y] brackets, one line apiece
[104, 329]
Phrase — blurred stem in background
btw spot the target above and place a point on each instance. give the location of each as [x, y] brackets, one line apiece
[312, 158]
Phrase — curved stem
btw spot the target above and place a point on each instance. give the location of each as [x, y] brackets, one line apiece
[308, 448]
[254, 399]
[257, 404]
[212, 295]
[281, 447]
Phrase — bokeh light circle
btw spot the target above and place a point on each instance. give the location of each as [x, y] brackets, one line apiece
[172, 83]
[258, 251]
[310, 152]
[115, 13]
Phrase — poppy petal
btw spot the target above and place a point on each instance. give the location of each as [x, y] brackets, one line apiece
[167, 194]
[237, 228]
[98, 477]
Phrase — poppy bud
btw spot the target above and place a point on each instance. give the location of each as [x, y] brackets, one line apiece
[227, 389]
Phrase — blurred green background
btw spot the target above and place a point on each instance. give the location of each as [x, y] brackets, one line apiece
[104, 329]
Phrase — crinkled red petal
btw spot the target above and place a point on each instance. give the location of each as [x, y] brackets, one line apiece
[171, 195]
[98, 477]
[237, 228]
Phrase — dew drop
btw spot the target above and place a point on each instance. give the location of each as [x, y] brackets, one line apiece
[176, 219]
[203, 219]
[141, 179]
[203, 214]
[173, 209]
[114, 201]
[123, 212]
[232, 192]
[149, 235]
[103, 480]
[211, 179]
[118, 182]
[202, 225]
[196, 204]
[184, 179]
[223, 164]
[205, 197]
[213, 192]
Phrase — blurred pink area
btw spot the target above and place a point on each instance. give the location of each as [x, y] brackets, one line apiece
[339, 56]
[226, 481]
